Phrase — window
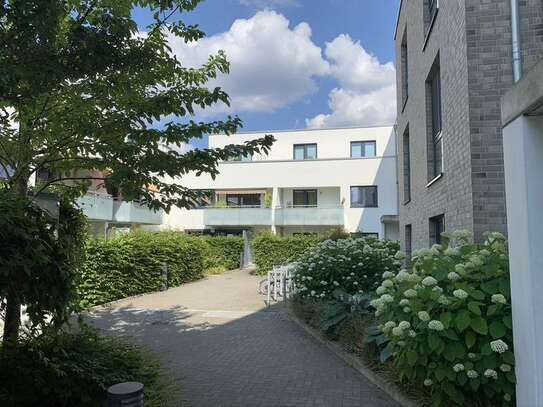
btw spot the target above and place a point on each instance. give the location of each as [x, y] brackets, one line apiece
[437, 227]
[435, 142]
[363, 149]
[305, 197]
[243, 200]
[404, 69]
[364, 197]
[358, 235]
[431, 8]
[241, 157]
[305, 151]
[205, 199]
[408, 240]
[406, 168]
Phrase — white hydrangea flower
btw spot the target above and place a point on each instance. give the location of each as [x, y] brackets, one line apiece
[436, 249]
[410, 293]
[397, 331]
[309, 278]
[460, 268]
[313, 292]
[401, 343]
[491, 373]
[335, 283]
[428, 382]
[423, 316]
[381, 290]
[352, 274]
[498, 299]
[462, 235]
[443, 300]
[404, 302]
[484, 252]
[323, 294]
[437, 289]
[407, 310]
[451, 251]
[387, 298]
[459, 367]
[388, 274]
[387, 284]
[355, 282]
[402, 276]
[472, 374]
[499, 346]
[429, 281]
[435, 325]
[389, 325]
[453, 276]
[413, 278]
[400, 255]
[460, 294]
[404, 325]
[412, 333]
[477, 261]
[505, 368]
[507, 397]
[472, 355]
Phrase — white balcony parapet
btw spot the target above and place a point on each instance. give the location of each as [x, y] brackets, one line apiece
[310, 216]
[97, 206]
[237, 216]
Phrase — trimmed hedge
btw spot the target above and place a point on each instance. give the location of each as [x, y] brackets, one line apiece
[223, 252]
[270, 250]
[132, 264]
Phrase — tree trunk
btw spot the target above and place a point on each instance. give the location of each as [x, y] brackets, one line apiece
[12, 321]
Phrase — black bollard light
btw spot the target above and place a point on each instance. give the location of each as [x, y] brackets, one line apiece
[128, 394]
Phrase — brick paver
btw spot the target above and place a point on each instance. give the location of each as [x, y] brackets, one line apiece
[229, 350]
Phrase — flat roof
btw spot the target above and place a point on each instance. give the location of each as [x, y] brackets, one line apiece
[300, 130]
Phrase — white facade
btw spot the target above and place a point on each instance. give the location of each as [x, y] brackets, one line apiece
[277, 177]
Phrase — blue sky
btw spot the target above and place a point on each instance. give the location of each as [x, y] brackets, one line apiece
[299, 63]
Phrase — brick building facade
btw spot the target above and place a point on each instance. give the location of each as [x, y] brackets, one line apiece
[454, 62]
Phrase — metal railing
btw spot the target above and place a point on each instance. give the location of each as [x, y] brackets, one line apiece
[279, 284]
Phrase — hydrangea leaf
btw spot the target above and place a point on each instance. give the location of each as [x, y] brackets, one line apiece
[479, 325]
[474, 308]
[471, 338]
[497, 330]
[462, 320]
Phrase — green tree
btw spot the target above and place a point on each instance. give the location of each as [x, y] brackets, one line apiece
[81, 89]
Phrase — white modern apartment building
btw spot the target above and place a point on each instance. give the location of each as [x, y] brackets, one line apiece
[310, 182]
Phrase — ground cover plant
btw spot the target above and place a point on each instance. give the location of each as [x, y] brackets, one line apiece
[448, 321]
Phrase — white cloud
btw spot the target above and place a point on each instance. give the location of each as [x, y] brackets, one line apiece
[271, 64]
[269, 3]
[367, 95]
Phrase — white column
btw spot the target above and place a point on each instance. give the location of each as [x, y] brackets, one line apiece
[523, 155]
[276, 202]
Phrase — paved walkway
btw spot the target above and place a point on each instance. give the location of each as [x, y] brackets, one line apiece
[229, 350]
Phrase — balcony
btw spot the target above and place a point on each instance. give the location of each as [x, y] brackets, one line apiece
[237, 216]
[309, 216]
[133, 212]
[97, 206]
[102, 207]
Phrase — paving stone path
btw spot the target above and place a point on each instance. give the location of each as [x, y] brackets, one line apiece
[229, 350]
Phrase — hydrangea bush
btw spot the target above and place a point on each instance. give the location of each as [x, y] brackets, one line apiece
[354, 266]
[449, 321]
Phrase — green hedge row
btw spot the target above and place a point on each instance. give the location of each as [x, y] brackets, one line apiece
[132, 264]
[270, 250]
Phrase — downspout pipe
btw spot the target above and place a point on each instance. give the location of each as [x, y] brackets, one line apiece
[515, 33]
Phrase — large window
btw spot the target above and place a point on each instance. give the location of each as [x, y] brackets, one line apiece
[437, 227]
[364, 197]
[363, 149]
[305, 197]
[305, 151]
[241, 157]
[243, 200]
[404, 69]
[408, 240]
[406, 168]
[435, 142]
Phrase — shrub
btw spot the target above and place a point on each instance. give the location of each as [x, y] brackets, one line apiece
[352, 265]
[75, 369]
[270, 250]
[449, 322]
[223, 252]
[131, 264]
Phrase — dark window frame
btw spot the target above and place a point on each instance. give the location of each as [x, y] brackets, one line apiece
[404, 74]
[408, 229]
[437, 227]
[305, 146]
[363, 205]
[306, 199]
[364, 142]
[434, 110]
[406, 146]
[239, 199]
[430, 12]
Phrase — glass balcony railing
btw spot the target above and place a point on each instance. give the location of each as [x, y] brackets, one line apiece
[310, 216]
[103, 207]
[237, 216]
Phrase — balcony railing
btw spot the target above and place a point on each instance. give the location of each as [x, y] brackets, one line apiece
[237, 216]
[310, 216]
[103, 207]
